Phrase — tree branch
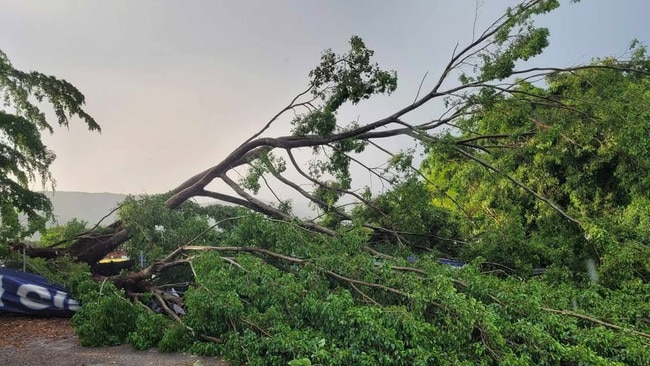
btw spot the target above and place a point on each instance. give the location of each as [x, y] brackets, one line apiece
[245, 249]
[596, 321]
[518, 183]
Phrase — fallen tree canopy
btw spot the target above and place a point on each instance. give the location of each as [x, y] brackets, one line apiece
[350, 78]
[268, 292]
[525, 168]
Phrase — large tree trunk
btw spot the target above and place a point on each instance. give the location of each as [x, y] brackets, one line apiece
[89, 249]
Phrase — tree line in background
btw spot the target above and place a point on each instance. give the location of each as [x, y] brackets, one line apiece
[534, 179]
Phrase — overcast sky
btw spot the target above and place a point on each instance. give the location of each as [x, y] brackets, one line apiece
[176, 85]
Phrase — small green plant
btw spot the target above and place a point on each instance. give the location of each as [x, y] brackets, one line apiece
[149, 330]
[106, 317]
[175, 339]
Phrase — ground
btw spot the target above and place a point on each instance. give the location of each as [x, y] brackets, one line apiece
[51, 342]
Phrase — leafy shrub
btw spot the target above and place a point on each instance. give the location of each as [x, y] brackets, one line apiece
[149, 330]
[175, 339]
[106, 317]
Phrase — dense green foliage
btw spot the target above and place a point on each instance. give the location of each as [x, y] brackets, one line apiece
[23, 156]
[545, 172]
[63, 235]
[268, 311]
[407, 210]
[106, 317]
[580, 143]
[156, 232]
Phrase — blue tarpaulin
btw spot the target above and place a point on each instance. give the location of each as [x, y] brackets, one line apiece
[28, 293]
[451, 262]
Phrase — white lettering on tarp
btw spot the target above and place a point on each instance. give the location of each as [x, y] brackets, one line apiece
[73, 305]
[42, 292]
[59, 299]
[43, 298]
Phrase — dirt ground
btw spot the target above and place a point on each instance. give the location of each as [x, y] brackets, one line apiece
[51, 342]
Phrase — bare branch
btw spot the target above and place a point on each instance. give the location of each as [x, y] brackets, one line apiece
[557, 70]
[353, 194]
[277, 115]
[86, 232]
[597, 321]
[245, 249]
[177, 319]
[417, 95]
[270, 210]
[368, 298]
[497, 136]
[432, 184]
[375, 285]
[361, 164]
[227, 198]
[234, 263]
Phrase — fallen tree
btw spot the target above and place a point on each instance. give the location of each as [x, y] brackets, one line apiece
[485, 66]
[364, 285]
[269, 292]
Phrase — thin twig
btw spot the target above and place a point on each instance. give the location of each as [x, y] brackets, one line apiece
[234, 263]
[520, 184]
[420, 87]
[245, 249]
[378, 254]
[370, 299]
[597, 321]
[77, 236]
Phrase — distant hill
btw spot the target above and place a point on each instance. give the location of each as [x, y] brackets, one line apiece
[90, 207]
